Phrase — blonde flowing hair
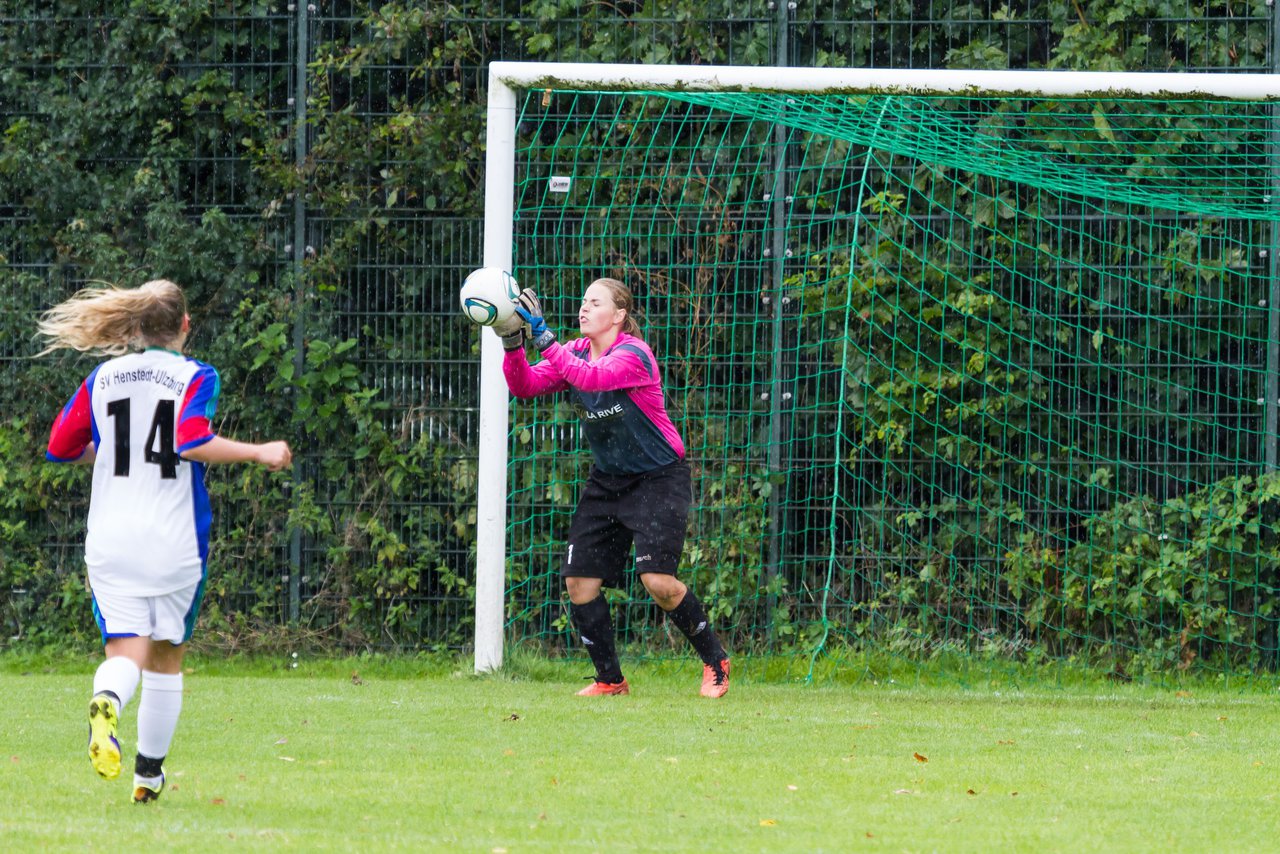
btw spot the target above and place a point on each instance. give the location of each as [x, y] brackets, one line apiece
[115, 320]
[623, 298]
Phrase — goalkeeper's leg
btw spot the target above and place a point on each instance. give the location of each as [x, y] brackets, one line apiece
[590, 614]
[595, 555]
[686, 612]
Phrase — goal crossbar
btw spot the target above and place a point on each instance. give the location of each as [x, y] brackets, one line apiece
[732, 78]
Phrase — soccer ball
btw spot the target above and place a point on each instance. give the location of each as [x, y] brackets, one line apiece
[488, 296]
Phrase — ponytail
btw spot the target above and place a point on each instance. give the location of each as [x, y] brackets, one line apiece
[113, 321]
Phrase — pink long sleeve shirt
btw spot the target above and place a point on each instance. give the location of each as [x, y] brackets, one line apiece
[618, 397]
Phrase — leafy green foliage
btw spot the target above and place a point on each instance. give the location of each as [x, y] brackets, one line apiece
[1165, 583]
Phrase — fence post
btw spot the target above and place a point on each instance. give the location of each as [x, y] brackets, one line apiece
[302, 49]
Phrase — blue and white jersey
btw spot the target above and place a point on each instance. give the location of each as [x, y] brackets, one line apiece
[149, 517]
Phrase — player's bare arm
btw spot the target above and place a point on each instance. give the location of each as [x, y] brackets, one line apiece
[273, 455]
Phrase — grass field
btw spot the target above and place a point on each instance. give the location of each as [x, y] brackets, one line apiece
[355, 755]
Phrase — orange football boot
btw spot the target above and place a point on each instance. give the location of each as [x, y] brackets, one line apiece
[605, 689]
[715, 679]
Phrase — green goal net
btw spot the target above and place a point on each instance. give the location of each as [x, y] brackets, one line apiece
[958, 375]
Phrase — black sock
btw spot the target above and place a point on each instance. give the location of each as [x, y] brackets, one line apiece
[596, 630]
[145, 766]
[691, 618]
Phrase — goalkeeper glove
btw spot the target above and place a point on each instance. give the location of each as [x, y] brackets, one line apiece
[511, 331]
[528, 307]
[514, 341]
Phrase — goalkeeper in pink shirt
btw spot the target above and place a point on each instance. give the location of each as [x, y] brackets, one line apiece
[639, 490]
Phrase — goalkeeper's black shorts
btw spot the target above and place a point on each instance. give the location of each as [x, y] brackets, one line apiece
[618, 511]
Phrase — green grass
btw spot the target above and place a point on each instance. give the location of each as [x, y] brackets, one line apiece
[419, 755]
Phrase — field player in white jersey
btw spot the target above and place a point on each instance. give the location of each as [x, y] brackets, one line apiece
[143, 421]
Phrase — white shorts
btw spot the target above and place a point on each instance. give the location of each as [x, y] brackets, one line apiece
[170, 617]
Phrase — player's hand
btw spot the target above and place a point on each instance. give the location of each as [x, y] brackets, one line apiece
[514, 341]
[505, 327]
[275, 455]
[511, 331]
[529, 308]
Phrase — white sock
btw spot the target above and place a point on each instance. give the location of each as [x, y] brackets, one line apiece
[119, 675]
[158, 712]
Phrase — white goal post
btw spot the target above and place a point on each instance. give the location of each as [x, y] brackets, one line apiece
[505, 78]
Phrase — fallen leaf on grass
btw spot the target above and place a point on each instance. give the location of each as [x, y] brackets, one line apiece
[970, 792]
[1222, 717]
[768, 822]
[1182, 694]
[1006, 741]
[920, 757]
[219, 802]
[1013, 794]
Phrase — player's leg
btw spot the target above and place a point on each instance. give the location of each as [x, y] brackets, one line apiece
[123, 622]
[158, 713]
[687, 614]
[594, 556]
[162, 689]
[657, 511]
[589, 613]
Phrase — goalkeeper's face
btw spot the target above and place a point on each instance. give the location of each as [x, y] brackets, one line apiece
[598, 314]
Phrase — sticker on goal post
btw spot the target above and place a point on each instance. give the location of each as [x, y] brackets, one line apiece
[559, 183]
